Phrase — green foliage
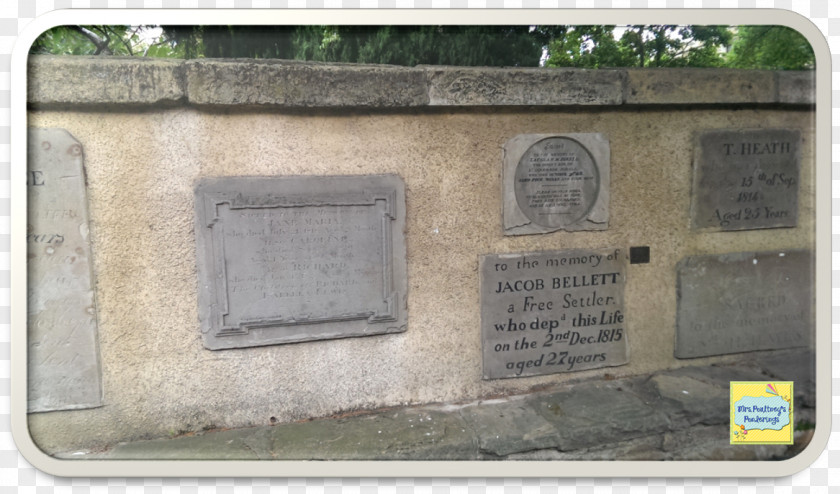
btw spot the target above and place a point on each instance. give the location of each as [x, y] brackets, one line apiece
[640, 46]
[597, 46]
[771, 47]
[396, 45]
[104, 40]
[587, 47]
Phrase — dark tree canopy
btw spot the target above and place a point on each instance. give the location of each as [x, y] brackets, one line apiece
[601, 46]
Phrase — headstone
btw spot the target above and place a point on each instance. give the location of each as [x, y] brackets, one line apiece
[554, 182]
[550, 312]
[742, 302]
[64, 366]
[291, 259]
[746, 179]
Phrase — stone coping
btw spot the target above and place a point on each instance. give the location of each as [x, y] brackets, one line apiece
[71, 81]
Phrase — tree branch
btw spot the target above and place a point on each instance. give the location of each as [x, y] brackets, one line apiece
[100, 44]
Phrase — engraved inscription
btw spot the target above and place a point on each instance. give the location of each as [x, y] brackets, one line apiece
[744, 302]
[746, 179]
[64, 367]
[551, 312]
[555, 182]
[290, 267]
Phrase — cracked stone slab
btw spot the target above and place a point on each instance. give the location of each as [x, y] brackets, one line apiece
[647, 448]
[64, 365]
[598, 413]
[410, 434]
[711, 443]
[509, 427]
[692, 400]
[743, 302]
[796, 366]
[553, 182]
[217, 445]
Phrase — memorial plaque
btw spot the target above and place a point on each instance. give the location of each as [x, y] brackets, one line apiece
[550, 312]
[63, 364]
[746, 179]
[741, 302]
[290, 259]
[555, 182]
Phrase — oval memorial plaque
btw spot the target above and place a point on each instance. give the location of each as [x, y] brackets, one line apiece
[556, 182]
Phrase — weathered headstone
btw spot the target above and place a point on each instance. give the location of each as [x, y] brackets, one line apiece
[554, 182]
[746, 179]
[742, 302]
[290, 259]
[64, 367]
[550, 312]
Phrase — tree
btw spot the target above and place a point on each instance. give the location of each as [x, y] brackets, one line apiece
[103, 40]
[771, 47]
[640, 46]
[397, 45]
[597, 46]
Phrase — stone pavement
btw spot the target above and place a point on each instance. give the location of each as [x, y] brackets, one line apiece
[680, 414]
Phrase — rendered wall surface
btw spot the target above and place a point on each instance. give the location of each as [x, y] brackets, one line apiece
[142, 166]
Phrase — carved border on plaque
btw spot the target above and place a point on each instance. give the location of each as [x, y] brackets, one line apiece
[388, 312]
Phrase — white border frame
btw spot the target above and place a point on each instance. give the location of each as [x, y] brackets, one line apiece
[94, 468]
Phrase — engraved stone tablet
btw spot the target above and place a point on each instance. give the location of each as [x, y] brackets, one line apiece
[555, 182]
[284, 260]
[64, 368]
[746, 179]
[742, 302]
[550, 312]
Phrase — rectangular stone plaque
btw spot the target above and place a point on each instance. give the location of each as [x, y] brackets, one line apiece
[64, 367]
[554, 182]
[550, 312]
[745, 301]
[290, 259]
[746, 179]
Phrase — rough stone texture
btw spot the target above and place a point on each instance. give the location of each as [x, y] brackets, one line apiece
[788, 366]
[509, 427]
[598, 413]
[796, 87]
[745, 301]
[142, 168]
[681, 86]
[532, 86]
[92, 80]
[592, 420]
[692, 400]
[63, 364]
[745, 179]
[295, 84]
[73, 81]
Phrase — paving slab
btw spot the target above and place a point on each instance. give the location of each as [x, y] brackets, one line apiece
[507, 427]
[680, 414]
[598, 413]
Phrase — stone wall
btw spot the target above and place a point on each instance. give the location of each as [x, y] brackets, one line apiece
[151, 129]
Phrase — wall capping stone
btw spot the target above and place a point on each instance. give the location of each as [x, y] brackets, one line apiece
[69, 81]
